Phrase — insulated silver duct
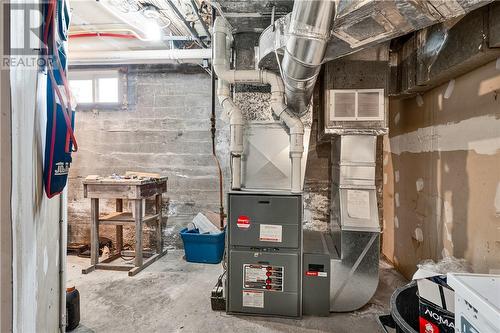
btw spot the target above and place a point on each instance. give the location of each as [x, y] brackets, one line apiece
[305, 37]
[309, 31]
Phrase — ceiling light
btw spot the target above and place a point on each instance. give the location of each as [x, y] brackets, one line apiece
[153, 31]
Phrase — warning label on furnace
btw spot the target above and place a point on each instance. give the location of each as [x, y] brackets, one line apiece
[267, 277]
[271, 233]
[253, 299]
[254, 274]
[358, 204]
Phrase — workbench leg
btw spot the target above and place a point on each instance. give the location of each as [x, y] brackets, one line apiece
[138, 232]
[119, 227]
[94, 231]
[159, 238]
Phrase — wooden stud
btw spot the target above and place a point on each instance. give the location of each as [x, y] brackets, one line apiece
[159, 238]
[119, 228]
[138, 232]
[111, 267]
[148, 262]
[94, 231]
[111, 258]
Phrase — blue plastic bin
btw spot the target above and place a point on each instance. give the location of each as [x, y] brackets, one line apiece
[203, 248]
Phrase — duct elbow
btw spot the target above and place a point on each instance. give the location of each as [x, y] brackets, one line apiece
[293, 122]
[275, 81]
[296, 126]
[221, 44]
[235, 116]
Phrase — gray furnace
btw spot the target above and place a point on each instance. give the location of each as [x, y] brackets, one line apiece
[264, 247]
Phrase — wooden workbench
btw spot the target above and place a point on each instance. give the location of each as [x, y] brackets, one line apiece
[119, 189]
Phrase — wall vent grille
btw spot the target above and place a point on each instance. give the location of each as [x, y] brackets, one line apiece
[356, 104]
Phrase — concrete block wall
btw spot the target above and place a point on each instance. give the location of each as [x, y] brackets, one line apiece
[164, 127]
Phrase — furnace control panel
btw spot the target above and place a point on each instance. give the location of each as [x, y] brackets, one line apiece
[265, 277]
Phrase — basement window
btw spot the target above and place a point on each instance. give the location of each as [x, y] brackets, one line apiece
[96, 89]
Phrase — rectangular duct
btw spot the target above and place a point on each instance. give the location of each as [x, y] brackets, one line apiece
[354, 197]
[267, 166]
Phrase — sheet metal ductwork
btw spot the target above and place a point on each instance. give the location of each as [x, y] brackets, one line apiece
[222, 40]
[324, 30]
[309, 31]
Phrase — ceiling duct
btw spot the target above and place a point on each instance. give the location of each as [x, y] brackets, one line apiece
[307, 41]
[309, 31]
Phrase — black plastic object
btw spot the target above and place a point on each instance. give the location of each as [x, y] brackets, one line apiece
[72, 308]
[404, 310]
[217, 299]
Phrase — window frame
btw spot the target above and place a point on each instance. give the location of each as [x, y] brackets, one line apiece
[94, 75]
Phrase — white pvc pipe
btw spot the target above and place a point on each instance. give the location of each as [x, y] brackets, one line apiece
[236, 131]
[236, 172]
[294, 124]
[139, 56]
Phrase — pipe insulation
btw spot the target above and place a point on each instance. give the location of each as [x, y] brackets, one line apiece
[222, 39]
[308, 35]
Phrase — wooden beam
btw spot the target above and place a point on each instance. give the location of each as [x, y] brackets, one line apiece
[138, 232]
[94, 231]
[119, 228]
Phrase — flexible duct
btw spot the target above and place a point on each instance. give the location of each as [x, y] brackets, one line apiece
[221, 40]
[309, 31]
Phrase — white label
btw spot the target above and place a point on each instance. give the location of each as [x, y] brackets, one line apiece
[358, 204]
[253, 299]
[322, 274]
[254, 274]
[271, 233]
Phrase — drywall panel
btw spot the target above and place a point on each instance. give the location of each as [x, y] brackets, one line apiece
[441, 174]
[35, 218]
[5, 186]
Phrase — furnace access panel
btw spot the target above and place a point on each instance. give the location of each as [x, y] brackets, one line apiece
[264, 254]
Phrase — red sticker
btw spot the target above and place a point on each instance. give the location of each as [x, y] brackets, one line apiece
[315, 273]
[427, 327]
[243, 222]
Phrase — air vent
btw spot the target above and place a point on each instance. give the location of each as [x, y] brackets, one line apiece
[356, 105]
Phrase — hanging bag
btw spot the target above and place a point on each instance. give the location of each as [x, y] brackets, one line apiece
[60, 140]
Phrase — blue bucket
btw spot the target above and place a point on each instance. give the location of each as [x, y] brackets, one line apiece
[203, 248]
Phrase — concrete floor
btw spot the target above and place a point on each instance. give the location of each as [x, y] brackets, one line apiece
[172, 295]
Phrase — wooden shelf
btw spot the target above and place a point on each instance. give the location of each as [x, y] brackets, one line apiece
[124, 218]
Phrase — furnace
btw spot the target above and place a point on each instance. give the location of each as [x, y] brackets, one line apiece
[264, 249]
